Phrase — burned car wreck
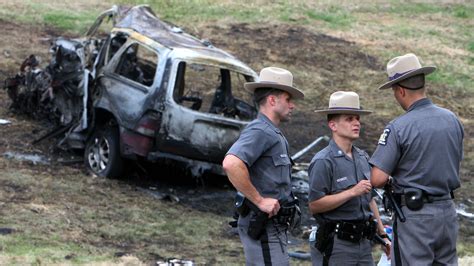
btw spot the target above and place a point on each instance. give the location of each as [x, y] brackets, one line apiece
[145, 91]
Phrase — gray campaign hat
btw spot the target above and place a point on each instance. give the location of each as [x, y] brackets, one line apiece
[277, 78]
[344, 102]
[403, 67]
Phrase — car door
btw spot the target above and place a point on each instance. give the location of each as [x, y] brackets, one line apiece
[206, 108]
[128, 81]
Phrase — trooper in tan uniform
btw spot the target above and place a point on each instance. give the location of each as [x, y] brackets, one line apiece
[259, 166]
[421, 150]
[340, 195]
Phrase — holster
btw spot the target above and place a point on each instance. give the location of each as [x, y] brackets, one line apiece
[325, 239]
[257, 220]
[289, 214]
[257, 223]
[240, 205]
[413, 198]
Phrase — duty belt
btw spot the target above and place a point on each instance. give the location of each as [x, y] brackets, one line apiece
[354, 231]
[285, 215]
[400, 199]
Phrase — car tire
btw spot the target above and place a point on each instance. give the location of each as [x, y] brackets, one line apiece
[102, 153]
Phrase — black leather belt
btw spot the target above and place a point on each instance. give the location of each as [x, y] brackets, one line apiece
[352, 231]
[426, 198]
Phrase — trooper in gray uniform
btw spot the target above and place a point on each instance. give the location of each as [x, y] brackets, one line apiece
[421, 150]
[259, 167]
[340, 196]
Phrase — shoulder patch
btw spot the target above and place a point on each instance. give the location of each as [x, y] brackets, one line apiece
[384, 136]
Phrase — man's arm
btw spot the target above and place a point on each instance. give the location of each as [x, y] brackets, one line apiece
[331, 202]
[238, 175]
[378, 178]
[380, 228]
[375, 211]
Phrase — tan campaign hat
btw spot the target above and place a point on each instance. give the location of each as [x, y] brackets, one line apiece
[344, 102]
[277, 78]
[403, 67]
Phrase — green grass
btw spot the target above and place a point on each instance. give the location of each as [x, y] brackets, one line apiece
[454, 79]
[76, 22]
[465, 249]
[470, 47]
[462, 11]
[405, 8]
[335, 16]
[31, 248]
[60, 17]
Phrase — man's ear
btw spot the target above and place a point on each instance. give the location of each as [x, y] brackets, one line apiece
[332, 125]
[271, 99]
[402, 91]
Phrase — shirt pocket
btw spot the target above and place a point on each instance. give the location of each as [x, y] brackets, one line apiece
[282, 171]
[343, 183]
[281, 159]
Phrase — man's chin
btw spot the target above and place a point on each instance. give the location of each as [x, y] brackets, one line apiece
[354, 137]
[286, 119]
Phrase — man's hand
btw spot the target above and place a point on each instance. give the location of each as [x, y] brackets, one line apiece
[387, 247]
[363, 187]
[269, 205]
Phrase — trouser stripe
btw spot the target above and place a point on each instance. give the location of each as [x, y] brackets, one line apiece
[267, 258]
[396, 248]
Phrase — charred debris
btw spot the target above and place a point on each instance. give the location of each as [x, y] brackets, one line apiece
[145, 90]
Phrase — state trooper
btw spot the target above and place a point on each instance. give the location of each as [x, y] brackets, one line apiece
[259, 166]
[340, 195]
[420, 152]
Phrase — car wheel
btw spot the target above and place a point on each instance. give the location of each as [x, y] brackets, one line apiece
[102, 154]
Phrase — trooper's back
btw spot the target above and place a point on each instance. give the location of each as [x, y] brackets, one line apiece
[431, 148]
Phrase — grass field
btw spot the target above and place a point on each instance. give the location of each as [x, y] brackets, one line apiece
[63, 216]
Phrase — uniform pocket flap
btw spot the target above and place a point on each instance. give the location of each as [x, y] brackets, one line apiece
[281, 159]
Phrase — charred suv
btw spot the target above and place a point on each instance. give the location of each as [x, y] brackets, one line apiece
[146, 91]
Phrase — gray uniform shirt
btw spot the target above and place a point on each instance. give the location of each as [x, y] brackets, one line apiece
[264, 149]
[422, 149]
[331, 172]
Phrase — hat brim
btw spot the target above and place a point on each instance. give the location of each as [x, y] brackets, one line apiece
[424, 70]
[294, 92]
[343, 111]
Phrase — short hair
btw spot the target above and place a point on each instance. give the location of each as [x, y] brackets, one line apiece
[413, 83]
[260, 94]
[333, 116]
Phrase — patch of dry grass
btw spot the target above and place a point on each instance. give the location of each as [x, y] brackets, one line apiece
[62, 214]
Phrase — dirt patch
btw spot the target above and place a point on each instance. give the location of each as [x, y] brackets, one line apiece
[22, 41]
[322, 64]
[292, 45]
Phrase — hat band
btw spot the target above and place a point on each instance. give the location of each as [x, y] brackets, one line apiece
[343, 108]
[397, 75]
[273, 82]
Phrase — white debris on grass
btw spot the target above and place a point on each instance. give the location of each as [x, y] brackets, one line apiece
[34, 158]
[5, 122]
[461, 210]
